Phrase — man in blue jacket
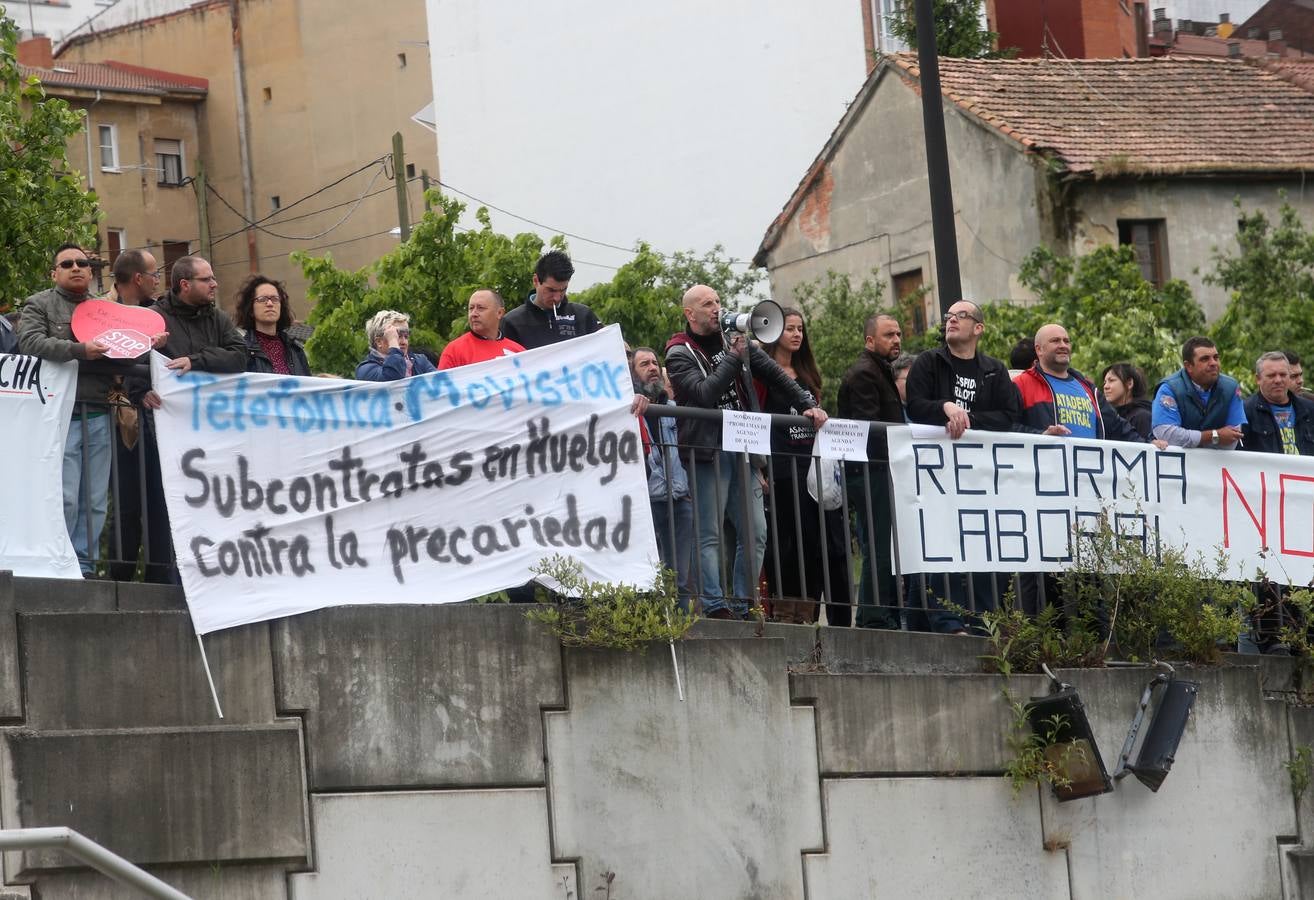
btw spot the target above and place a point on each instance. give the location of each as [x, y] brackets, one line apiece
[1198, 406]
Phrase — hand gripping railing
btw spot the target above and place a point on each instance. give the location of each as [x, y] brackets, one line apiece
[91, 853]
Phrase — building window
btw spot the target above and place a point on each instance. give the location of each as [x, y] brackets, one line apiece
[276, 202]
[907, 293]
[173, 251]
[109, 148]
[169, 161]
[116, 241]
[401, 60]
[1149, 238]
[410, 170]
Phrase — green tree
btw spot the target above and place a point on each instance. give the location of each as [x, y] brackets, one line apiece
[1271, 283]
[1111, 312]
[431, 276]
[42, 203]
[958, 29]
[645, 294]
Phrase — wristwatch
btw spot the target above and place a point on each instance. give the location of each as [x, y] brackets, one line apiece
[1214, 440]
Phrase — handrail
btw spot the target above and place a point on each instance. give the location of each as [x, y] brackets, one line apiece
[91, 853]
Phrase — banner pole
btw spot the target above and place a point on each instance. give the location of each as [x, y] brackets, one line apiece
[209, 677]
[675, 663]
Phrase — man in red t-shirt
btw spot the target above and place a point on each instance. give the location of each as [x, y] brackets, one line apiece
[484, 340]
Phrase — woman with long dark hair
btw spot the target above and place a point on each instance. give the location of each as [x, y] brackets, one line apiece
[1127, 391]
[265, 314]
[794, 520]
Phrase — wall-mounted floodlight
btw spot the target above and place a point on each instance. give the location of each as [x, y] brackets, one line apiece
[1166, 726]
[1059, 719]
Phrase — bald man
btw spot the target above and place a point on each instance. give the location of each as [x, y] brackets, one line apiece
[484, 340]
[1059, 400]
[706, 370]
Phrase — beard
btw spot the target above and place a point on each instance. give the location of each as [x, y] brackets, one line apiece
[650, 389]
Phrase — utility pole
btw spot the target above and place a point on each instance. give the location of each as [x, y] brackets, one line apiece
[202, 209]
[948, 283]
[424, 186]
[399, 179]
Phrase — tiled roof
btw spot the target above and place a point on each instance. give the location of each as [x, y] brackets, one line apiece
[1111, 117]
[1298, 72]
[117, 76]
[1138, 116]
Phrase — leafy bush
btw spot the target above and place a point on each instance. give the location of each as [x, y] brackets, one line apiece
[611, 616]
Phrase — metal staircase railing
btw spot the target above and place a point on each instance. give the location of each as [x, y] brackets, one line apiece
[91, 853]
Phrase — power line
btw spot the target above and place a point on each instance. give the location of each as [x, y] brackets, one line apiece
[355, 205]
[363, 237]
[562, 231]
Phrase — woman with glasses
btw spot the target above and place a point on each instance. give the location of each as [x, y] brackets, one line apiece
[794, 521]
[390, 357]
[264, 313]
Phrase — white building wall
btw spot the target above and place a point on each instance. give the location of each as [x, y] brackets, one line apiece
[684, 123]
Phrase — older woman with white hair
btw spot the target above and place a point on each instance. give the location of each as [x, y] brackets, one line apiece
[390, 357]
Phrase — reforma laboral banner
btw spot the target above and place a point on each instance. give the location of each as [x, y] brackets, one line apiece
[36, 402]
[292, 494]
[1006, 502]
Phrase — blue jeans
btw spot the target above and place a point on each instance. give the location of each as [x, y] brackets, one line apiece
[717, 489]
[677, 515]
[86, 484]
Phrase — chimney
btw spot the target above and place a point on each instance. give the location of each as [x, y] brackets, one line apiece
[36, 52]
[1224, 18]
[1162, 25]
[1234, 49]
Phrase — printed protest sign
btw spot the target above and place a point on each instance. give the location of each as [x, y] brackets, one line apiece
[1005, 502]
[125, 331]
[843, 439]
[292, 494]
[745, 432]
[36, 403]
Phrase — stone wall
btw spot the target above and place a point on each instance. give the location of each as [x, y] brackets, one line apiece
[457, 751]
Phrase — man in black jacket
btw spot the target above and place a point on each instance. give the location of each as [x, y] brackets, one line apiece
[547, 317]
[1278, 419]
[706, 371]
[200, 337]
[868, 392]
[959, 387]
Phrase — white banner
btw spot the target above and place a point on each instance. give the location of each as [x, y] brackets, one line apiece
[1003, 502]
[36, 403]
[292, 494]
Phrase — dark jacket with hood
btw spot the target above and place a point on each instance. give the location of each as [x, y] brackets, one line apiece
[1260, 433]
[1038, 412]
[868, 392]
[931, 385]
[204, 333]
[716, 382]
[1138, 414]
[530, 326]
[258, 361]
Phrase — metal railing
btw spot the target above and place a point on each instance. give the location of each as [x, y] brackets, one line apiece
[90, 853]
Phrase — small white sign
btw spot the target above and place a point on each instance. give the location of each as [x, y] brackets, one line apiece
[842, 439]
[746, 432]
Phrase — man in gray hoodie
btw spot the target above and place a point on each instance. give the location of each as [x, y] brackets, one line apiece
[45, 330]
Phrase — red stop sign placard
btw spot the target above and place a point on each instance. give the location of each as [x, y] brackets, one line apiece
[124, 330]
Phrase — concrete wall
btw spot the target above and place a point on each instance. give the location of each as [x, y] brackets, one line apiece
[1199, 218]
[870, 207]
[458, 751]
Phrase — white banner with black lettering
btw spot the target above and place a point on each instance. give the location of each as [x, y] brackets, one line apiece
[36, 403]
[292, 494]
[1003, 502]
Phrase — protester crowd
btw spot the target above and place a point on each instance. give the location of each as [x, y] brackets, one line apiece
[731, 528]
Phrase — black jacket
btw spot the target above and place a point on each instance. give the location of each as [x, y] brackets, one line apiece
[1139, 415]
[530, 327]
[868, 392]
[205, 333]
[698, 382]
[931, 385]
[1260, 433]
[258, 361]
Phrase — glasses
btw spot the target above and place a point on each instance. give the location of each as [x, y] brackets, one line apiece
[950, 316]
[274, 299]
[79, 263]
[210, 278]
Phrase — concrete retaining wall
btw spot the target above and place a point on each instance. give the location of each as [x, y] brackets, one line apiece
[459, 752]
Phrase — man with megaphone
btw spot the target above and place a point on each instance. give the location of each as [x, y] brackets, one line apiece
[705, 363]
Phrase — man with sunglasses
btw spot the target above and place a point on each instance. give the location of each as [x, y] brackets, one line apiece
[959, 387]
[46, 331]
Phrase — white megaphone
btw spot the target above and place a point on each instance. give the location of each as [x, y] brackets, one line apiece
[765, 322]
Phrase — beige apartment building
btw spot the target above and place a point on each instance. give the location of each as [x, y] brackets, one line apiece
[300, 97]
[142, 132]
